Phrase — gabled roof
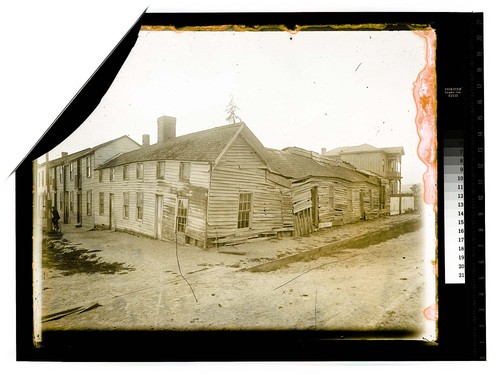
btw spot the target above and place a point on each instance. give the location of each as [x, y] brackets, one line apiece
[296, 166]
[205, 145]
[365, 147]
[78, 154]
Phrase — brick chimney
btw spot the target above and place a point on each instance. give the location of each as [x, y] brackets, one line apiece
[166, 128]
[63, 154]
[145, 140]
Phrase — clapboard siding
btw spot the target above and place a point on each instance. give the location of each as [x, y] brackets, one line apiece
[241, 170]
[372, 161]
[170, 188]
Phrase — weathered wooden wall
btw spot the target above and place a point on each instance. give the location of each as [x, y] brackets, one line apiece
[241, 170]
[171, 188]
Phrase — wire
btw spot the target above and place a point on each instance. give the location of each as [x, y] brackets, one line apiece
[179, 266]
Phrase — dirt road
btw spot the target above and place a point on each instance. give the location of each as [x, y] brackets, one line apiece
[379, 287]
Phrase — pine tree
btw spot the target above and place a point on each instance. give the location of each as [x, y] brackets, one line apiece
[231, 109]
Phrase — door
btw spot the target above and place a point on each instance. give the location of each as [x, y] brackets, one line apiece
[78, 209]
[314, 201]
[159, 217]
[361, 204]
[66, 209]
[111, 211]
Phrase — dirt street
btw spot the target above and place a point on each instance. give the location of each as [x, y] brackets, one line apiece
[132, 282]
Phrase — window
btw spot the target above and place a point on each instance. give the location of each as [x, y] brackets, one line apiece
[139, 205]
[60, 174]
[100, 175]
[349, 199]
[184, 171]
[181, 218]
[244, 210]
[140, 171]
[61, 203]
[126, 205]
[71, 171]
[89, 202]
[71, 198]
[101, 203]
[88, 166]
[160, 170]
[125, 172]
[331, 197]
[111, 174]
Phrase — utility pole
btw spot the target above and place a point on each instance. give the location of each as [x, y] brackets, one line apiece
[48, 202]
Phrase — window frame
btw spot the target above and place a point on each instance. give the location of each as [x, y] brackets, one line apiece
[88, 166]
[160, 170]
[101, 203]
[184, 171]
[139, 171]
[350, 200]
[89, 203]
[139, 205]
[126, 205]
[245, 209]
[181, 215]
[126, 172]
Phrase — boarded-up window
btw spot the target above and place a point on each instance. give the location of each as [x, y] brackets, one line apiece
[184, 171]
[101, 203]
[88, 166]
[111, 174]
[89, 202]
[244, 210]
[160, 170]
[126, 205]
[331, 197]
[139, 206]
[349, 199]
[139, 171]
[181, 218]
[125, 172]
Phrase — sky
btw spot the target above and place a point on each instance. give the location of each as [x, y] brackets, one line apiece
[312, 89]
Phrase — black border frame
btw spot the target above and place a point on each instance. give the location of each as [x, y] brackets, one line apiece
[461, 322]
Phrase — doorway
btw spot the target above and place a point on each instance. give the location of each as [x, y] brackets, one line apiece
[111, 211]
[159, 217]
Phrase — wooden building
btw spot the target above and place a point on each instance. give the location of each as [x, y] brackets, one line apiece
[325, 192]
[221, 185]
[72, 180]
[385, 162]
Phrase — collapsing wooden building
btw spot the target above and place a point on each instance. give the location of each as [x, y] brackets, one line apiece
[222, 185]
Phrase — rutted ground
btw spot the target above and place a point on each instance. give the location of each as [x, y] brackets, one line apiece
[378, 287]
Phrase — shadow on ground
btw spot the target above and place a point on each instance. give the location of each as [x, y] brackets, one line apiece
[60, 254]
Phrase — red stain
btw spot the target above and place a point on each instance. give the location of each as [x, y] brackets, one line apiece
[424, 94]
[431, 313]
[434, 266]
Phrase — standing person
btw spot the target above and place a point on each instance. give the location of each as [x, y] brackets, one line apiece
[55, 219]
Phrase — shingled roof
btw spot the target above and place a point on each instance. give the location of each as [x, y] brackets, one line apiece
[291, 165]
[204, 145]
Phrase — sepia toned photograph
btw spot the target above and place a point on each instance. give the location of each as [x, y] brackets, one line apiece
[237, 178]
